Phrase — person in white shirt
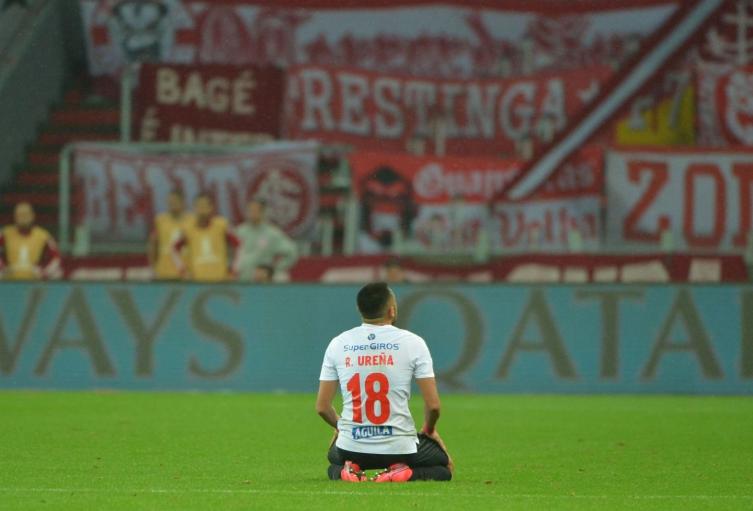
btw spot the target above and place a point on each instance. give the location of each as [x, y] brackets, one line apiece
[263, 244]
[374, 364]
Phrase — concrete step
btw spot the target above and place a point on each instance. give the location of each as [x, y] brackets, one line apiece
[60, 138]
[30, 178]
[44, 156]
[70, 116]
[36, 199]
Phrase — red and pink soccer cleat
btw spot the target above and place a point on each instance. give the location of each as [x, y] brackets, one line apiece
[352, 473]
[397, 473]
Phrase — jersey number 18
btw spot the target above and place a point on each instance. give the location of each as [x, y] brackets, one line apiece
[373, 396]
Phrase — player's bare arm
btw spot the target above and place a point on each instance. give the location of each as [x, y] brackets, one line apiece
[327, 391]
[428, 388]
[432, 406]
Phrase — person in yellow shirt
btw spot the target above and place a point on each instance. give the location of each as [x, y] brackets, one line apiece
[209, 240]
[27, 252]
[166, 230]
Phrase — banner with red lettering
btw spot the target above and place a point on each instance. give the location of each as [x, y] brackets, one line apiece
[118, 191]
[443, 204]
[451, 39]
[211, 104]
[687, 200]
[471, 117]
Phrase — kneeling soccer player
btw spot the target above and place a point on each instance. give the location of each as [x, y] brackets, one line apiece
[374, 364]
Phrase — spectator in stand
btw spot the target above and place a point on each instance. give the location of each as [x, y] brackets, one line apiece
[394, 272]
[167, 228]
[209, 240]
[263, 243]
[27, 252]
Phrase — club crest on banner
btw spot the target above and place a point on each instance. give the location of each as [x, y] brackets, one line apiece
[286, 191]
[736, 100]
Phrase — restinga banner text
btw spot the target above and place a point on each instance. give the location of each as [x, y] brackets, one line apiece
[212, 104]
[443, 203]
[118, 191]
[701, 199]
[494, 338]
[472, 117]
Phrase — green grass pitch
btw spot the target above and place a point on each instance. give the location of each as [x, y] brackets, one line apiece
[155, 451]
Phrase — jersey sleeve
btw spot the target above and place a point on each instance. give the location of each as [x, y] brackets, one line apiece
[423, 366]
[329, 368]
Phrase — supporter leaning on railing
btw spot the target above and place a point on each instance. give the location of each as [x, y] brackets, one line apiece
[27, 251]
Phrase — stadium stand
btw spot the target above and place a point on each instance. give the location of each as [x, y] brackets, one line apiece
[77, 117]
[424, 192]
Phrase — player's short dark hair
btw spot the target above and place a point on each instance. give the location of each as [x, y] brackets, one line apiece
[372, 300]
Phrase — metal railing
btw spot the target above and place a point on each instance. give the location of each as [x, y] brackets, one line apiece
[127, 81]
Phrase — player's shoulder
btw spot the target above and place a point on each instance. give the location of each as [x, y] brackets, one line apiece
[162, 218]
[186, 220]
[40, 232]
[188, 224]
[220, 222]
[275, 230]
[407, 335]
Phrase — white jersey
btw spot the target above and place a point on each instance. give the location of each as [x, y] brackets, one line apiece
[375, 365]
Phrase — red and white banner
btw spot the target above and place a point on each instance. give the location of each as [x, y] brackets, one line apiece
[725, 110]
[475, 117]
[118, 192]
[213, 104]
[443, 203]
[453, 38]
[724, 78]
[700, 199]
